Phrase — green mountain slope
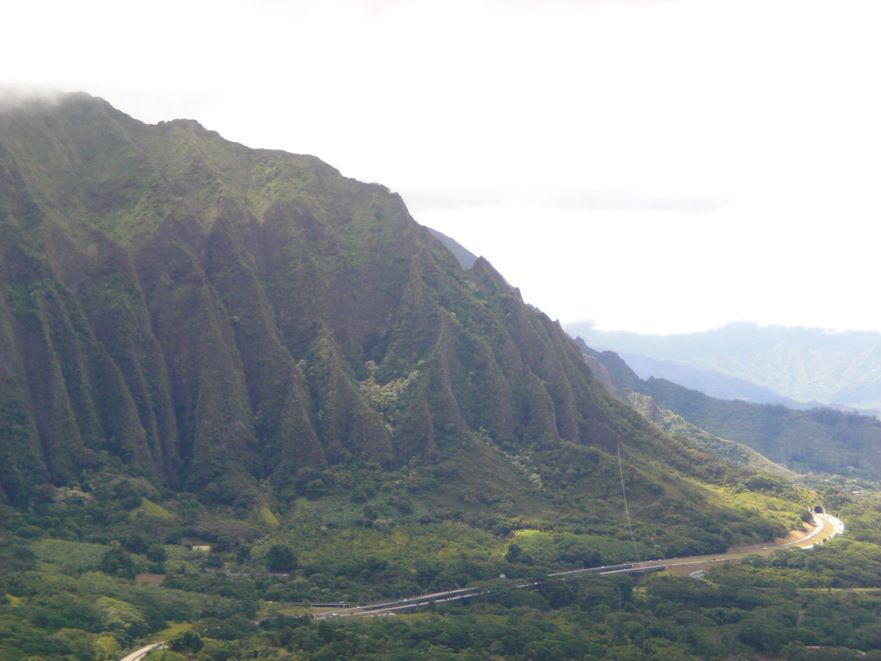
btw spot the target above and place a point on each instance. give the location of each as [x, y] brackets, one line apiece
[222, 321]
[204, 345]
[675, 425]
[822, 440]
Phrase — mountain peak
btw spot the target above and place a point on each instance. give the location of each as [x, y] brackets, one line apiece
[226, 302]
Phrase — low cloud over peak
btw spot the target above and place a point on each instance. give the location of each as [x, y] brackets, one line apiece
[20, 96]
[571, 199]
[631, 200]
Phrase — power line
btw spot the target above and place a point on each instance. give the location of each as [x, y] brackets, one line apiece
[626, 507]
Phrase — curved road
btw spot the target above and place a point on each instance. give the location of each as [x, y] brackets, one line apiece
[828, 527]
[137, 655]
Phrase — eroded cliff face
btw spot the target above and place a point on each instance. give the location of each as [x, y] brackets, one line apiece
[197, 311]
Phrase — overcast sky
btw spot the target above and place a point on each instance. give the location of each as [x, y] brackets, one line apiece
[655, 166]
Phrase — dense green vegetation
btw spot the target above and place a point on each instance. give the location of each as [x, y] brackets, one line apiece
[91, 570]
[65, 598]
[216, 319]
[234, 383]
[820, 440]
[675, 425]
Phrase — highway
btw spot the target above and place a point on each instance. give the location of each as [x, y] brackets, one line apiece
[827, 527]
[142, 652]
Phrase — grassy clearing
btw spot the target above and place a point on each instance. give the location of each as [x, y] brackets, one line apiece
[264, 516]
[779, 510]
[152, 510]
[169, 632]
[68, 556]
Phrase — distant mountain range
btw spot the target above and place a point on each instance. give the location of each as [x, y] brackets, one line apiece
[465, 257]
[767, 364]
[708, 382]
[822, 440]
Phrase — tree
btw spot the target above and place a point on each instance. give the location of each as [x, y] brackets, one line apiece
[188, 642]
[243, 554]
[514, 552]
[281, 559]
[117, 563]
[135, 544]
[155, 553]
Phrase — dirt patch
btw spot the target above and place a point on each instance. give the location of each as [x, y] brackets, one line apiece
[149, 579]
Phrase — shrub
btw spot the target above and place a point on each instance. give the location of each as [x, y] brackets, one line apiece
[117, 562]
[281, 559]
[155, 553]
[188, 642]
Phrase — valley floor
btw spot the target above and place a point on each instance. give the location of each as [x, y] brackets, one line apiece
[826, 527]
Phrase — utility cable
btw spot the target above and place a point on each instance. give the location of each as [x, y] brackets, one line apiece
[626, 507]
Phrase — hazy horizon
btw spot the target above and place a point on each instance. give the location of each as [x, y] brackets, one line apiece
[727, 325]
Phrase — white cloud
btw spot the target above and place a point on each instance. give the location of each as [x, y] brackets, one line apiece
[20, 95]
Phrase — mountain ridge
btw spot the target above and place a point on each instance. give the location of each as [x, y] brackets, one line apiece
[209, 315]
[240, 375]
[831, 368]
[714, 384]
[821, 439]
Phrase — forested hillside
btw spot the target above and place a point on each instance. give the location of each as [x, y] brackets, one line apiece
[207, 313]
[214, 318]
[821, 440]
[234, 382]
